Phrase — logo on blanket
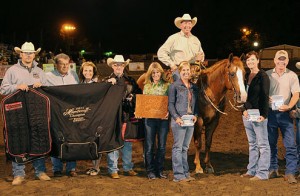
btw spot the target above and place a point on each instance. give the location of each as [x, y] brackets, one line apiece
[13, 106]
[76, 114]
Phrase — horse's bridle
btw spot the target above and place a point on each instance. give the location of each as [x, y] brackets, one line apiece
[234, 106]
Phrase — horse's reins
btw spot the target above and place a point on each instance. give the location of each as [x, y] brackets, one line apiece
[209, 100]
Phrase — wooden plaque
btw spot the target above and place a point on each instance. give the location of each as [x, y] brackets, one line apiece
[151, 106]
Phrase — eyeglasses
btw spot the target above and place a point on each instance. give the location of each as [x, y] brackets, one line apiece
[28, 53]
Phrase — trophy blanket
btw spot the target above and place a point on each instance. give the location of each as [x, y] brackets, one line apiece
[85, 119]
[26, 117]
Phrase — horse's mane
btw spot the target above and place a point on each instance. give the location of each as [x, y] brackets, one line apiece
[214, 70]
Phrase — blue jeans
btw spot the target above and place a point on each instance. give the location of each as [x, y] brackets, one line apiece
[58, 165]
[298, 140]
[182, 138]
[38, 164]
[282, 120]
[159, 128]
[259, 148]
[112, 159]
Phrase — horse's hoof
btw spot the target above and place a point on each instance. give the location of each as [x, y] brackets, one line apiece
[209, 170]
[199, 171]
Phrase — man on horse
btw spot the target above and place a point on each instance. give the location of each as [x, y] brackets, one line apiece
[181, 46]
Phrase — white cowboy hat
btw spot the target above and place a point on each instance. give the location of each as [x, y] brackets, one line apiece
[178, 20]
[27, 47]
[117, 59]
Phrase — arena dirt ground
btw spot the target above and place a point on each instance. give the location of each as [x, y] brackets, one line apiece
[229, 157]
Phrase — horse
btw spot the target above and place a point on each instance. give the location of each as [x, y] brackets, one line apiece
[213, 83]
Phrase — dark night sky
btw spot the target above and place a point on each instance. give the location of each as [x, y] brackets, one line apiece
[137, 26]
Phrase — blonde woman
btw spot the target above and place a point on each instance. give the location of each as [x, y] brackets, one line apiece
[183, 100]
[155, 84]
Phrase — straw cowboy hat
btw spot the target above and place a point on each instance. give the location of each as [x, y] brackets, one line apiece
[27, 47]
[178, 20]
[117, 59]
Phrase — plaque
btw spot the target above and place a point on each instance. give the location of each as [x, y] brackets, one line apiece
[277, 102]
[187, 120]
[253, 115]
[151, 106]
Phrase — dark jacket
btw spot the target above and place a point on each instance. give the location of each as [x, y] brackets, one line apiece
[131, 90]
[258, 93]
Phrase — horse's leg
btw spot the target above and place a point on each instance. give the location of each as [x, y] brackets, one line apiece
[209, 131]
[198, 144]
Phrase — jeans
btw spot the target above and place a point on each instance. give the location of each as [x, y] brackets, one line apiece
[159, 128]
[182, 138]
[259, 148]
[112, 159]
[58, 165]
[298, 140]
[282, 120]
[38, 164]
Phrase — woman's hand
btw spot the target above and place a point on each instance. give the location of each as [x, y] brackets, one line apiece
[245, 114]
[179, 121]
[260, 119]
[166, 117]
[195, 119]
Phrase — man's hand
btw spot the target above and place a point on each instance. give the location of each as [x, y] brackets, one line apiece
[173, 67]
[284, 108]
[199, 56]
[37, 85]
[113, 81]
[23, 87]
[293, 113]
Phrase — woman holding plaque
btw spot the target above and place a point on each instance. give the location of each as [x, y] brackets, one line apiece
[183, 108]
[255, 120]
[155, 84]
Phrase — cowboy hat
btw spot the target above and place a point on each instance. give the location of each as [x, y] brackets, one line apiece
[178, 20]
[27, 47]
[117, 59]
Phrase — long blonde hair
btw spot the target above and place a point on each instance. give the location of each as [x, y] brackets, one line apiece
[152, 66]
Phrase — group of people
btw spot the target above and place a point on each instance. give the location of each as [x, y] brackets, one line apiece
[178, 52]
[262, 134]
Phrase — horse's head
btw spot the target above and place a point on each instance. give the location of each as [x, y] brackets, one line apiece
[235, 78]
[168, 74]
[195, 72]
